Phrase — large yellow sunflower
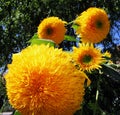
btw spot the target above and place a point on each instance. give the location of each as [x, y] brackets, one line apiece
[42, 81]
[88, 57]
[93, 24]
[52, 28]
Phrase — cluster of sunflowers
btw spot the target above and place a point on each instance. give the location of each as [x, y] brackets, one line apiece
[45, 80]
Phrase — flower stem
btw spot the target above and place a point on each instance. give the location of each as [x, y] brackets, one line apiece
[96, 98]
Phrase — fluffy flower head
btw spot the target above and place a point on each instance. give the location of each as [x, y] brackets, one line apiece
[42, 81]
[94, 25]
[87, 57]
[52, 28]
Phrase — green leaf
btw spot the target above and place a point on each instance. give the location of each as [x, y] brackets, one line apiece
[70, 38]
[35, 36]
[113, 74]
[75, 26]
[35, 40]
[42, 41]
[17, 113]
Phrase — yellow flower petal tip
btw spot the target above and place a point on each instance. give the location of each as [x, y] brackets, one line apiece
[107, 54]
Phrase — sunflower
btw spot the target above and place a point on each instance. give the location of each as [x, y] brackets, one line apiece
[87, 57]
[42, 81]
[52, 28]
[93, 24]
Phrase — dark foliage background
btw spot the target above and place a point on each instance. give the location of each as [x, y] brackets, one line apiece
[19, 20]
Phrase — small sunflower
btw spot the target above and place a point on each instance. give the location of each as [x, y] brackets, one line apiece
[52, 28]
[87, 57]
[42, 81]
[93, 24]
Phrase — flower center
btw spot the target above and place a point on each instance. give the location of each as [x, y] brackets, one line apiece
[87, 59]
[99, 24]
[49, 31]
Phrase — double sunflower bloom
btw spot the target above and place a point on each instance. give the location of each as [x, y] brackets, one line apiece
[46, 78]
[93, 24]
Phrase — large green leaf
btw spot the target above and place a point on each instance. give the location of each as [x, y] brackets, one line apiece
[36, 40]
[111, 72]
[42, 41]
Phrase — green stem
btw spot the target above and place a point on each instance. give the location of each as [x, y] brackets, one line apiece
[70, 23]
[96, 98]
[81, 112]
[1, 110]
[95, 109]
